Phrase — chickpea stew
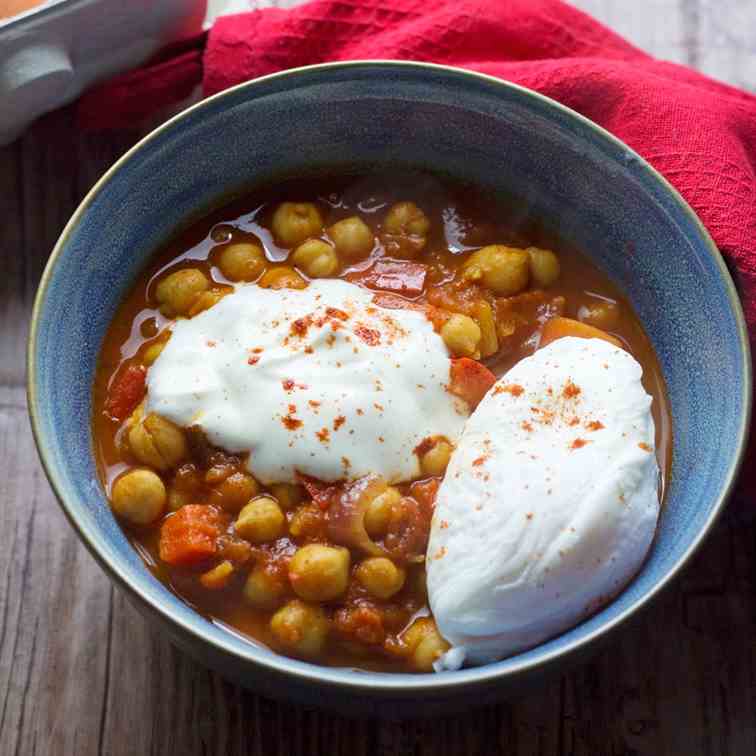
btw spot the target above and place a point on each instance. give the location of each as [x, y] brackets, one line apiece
[333, 570]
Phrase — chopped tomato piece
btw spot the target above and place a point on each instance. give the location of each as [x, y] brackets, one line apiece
[424, 492]
[321, 493]
[436, 315]
[470, 380]
[190, 536]
[402, 277]
[362, 623]
[558, 328]
[126, 391]
[395, 302]
[457, 296]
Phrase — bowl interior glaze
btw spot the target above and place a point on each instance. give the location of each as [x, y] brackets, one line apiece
[594, 191]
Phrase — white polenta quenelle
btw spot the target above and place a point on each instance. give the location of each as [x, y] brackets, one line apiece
[549, 504]
[319, 381]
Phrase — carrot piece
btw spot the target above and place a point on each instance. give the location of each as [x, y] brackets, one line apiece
[470, 380]
[402, 277]
[126, 391]
[558, 328]
[190, 536]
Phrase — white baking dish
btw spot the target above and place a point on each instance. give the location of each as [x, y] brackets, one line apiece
[50, 53]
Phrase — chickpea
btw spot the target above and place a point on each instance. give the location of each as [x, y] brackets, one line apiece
[261, 520]
[157, 442]
[168, 439]
[503, 270]
[319, 573]
[316, 258]
[601, 314]
[264, 588]
[435, 460]
[544, 266]
[421, 627]
[378, 512]
[176, 292]
[138, 496]
[406, 219]
[235, 491]
[242, 261]
[282, 278]
[218, 577]
[352, 237]
[430, 648]
[207, 299]
[405, 230]
[152, 352]
[462, 335]
[425, 643]
[380, 576]
[301, 628]
[293, 222]
[289, 495]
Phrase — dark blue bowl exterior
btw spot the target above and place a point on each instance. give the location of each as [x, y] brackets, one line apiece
[595, 193]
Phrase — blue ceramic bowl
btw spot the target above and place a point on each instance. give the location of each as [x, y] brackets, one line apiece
[593, 190]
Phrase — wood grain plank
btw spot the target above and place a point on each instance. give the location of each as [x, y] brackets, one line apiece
[714, 36]
[82, 672]
[727, 41]
[656, 26]
[54, 597]
[52, 592]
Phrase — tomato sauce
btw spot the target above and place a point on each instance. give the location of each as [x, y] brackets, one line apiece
[366, 633]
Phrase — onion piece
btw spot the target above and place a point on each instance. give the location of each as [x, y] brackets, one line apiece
[400, 276]
[346, 515]
[409, 527]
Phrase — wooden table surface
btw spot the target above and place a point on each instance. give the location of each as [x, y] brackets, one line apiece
[82, 673]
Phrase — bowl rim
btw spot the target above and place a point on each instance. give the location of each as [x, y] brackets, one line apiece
[350, 680]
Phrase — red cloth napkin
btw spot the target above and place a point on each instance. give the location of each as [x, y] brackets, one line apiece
[699, 133]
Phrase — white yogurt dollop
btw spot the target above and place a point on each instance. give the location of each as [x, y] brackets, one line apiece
[549, 504]
[319, 381]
